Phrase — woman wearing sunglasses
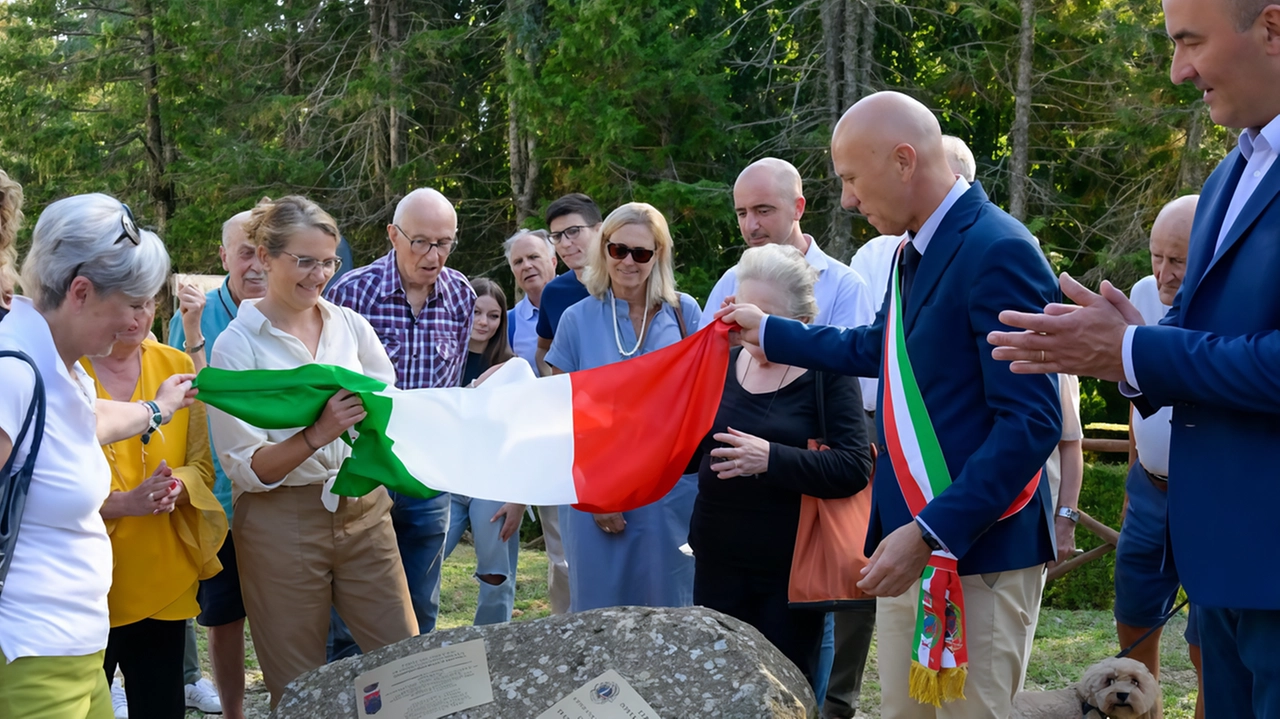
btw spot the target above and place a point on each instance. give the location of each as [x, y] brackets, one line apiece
[628, 558]
[301, 549]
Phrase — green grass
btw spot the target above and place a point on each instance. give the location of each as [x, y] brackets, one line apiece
[1067, 642]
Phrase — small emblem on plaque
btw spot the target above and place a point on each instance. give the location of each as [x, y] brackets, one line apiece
[604, 692]
[372, 699]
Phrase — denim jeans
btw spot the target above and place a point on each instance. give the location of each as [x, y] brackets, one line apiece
[493, 556]
[826, 658]
[421, 526]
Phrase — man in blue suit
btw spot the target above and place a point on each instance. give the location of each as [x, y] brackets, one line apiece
[1215, 358]
[966, 261]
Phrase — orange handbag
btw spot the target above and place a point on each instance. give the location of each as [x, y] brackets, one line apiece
[828, 560]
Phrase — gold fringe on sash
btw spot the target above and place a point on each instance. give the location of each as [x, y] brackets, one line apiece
[935, 687]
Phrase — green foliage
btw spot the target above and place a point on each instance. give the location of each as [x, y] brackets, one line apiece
[354, 102]
[1092, 586]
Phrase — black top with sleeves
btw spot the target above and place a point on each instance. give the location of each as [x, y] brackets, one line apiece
[751, 522]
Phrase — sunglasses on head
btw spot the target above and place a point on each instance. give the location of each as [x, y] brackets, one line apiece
[620, 252]
[128, 228]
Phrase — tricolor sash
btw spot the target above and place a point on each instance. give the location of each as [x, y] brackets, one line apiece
[940, 657]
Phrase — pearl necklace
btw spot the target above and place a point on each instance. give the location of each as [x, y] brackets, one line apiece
[617, 336]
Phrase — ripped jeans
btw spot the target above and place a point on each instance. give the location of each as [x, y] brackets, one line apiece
[494, 558]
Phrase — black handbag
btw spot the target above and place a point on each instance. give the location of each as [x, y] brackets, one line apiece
[14, 484]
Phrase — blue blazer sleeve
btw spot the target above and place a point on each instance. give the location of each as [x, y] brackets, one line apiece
[1173, 364]
[853, 351]
[1028, 412]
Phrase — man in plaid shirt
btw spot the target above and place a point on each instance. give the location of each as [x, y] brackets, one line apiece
[422, 312]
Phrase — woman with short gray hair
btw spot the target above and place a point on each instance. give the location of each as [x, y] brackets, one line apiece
[89, 272]
[759, 459]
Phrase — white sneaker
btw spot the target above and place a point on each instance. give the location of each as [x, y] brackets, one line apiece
[119, 705]
[202, 696]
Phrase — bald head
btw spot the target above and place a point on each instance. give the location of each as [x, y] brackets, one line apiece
[1170, 237]
[780, 174]
[887, 150]
[424, 201]
[233, 229]
[423, 232]
[769, 201]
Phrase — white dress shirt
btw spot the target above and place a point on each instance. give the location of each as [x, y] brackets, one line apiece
[252, 342]
[524, 338]
[1259, 149]
[874, 263]
[1151, 434]
[54, 602]
[842, 295]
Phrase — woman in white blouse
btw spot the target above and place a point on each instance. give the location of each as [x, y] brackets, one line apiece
[301, 549]
[88, 274]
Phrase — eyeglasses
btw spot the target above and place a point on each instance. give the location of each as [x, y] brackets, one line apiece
[568, 233]
[307, 264]
[422, 247]
[620, 252]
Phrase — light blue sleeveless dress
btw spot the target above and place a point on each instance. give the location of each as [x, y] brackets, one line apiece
[643, 564]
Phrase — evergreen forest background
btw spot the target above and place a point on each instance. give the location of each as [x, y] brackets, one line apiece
[191, 110]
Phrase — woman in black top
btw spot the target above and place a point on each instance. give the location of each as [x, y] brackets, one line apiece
[755, 464]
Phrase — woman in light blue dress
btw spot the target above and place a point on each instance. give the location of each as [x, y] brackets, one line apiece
[628, 558]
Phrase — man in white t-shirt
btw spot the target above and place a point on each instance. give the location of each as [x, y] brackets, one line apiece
[1146, 576]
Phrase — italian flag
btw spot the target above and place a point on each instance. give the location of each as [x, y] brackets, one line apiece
[609, 439]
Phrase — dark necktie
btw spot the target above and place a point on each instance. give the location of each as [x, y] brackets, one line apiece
[910, 263]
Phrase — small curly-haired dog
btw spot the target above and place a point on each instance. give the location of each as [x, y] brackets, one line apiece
[1115, 688]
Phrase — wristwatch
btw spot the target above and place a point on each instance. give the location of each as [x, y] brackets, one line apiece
[929, 539]
[189, 348]
[1069, 513]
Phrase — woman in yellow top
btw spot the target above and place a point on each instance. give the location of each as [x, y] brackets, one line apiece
[165, 524]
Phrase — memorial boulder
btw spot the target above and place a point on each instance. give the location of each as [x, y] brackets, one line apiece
[684, 663]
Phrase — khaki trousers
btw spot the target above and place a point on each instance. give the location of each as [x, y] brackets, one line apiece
[999, 609]
[296, 559]
[557, 565]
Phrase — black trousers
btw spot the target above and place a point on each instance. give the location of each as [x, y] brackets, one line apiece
[149, 654]
[760, 599]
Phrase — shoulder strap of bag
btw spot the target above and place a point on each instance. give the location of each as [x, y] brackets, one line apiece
[684, 331]
[14, 485]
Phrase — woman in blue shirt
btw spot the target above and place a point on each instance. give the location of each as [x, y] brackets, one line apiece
[628, 558]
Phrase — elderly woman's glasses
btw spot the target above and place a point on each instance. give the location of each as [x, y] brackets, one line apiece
[422, 246]
[620, 252]
[307, 264]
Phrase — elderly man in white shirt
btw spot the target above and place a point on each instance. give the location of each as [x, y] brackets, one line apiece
[532, 259]
[1146, 578]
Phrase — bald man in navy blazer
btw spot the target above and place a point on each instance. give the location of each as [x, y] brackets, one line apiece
[1215, 358]
[965, 261]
